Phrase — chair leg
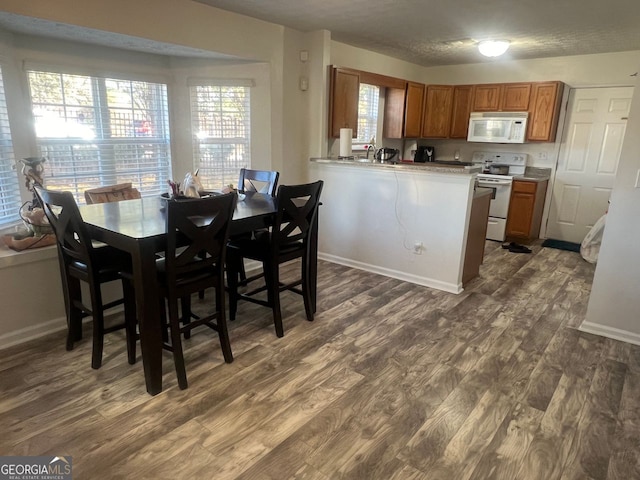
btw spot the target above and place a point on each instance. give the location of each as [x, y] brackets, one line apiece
[306, 288]
[185, 302]
[176, 344]
[98, 324]
[242, 273]
[130, 319]
[221, 321]
[72, 293]
[272, 278]
[233, 261]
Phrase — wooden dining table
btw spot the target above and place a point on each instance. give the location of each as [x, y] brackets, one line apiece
[139, 228]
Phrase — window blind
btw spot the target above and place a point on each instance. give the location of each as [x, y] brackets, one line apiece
[101, 131]
[9, 190]
[221, 125]
[367, 113]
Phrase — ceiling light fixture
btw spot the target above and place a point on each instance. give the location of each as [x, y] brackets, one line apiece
[493, 48]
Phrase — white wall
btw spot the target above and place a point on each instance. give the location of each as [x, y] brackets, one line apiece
[614, 304]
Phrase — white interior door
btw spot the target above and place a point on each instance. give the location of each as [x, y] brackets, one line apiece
[588, 161]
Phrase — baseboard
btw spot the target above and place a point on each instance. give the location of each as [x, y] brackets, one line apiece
[30, 333]
[610, 332]
[387, 272]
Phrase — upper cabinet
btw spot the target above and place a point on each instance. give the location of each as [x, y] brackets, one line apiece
[460, 110]
[436, 121]
[487, 97]
[544, 111]
[502, 97]
[343, 104]
[413, 110]
[515, 97]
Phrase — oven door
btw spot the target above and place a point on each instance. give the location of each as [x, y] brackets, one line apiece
[500, 197]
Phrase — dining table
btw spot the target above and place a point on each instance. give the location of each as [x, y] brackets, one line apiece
[139, 227]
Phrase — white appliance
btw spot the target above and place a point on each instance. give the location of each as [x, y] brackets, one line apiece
[501, 186]
[498, 127]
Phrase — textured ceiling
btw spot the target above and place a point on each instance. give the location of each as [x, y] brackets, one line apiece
[425, 32]
[445, 32]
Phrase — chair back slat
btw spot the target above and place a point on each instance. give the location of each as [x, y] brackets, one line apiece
[262, 181]
[64, 216]
[197, 234]
[297, 207]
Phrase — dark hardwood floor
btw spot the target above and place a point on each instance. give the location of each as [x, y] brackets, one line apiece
[391, 381]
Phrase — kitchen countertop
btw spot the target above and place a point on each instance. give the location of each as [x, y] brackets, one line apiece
[439, 167]
[535, 174]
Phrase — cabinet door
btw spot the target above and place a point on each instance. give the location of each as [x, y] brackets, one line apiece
[462, 98]
[413, 110]
[343, 101]
[392, 126]
[545, 110]
[437, 111]
[520, 214]
[525, 209]
[515, 97]
[487, 98]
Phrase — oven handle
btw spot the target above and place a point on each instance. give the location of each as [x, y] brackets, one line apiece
[484, 183]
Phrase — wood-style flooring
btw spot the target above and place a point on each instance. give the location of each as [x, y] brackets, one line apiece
[391, 381]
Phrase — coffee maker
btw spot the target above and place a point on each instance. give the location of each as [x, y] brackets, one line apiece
[425, 154]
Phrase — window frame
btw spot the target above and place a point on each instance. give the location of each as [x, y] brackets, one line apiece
[217, 176]
[10, 194]
[145, 156]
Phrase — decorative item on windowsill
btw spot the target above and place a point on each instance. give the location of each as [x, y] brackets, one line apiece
[37, 231]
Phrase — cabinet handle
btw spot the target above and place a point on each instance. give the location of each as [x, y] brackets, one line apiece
[624, 118]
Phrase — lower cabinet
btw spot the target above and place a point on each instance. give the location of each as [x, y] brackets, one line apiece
[525, 210]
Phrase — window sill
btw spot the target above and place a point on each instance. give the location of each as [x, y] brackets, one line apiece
[11, 258]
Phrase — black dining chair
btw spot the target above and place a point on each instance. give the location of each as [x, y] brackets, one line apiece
[262, 181]
[288, 239]
[81, 260]
[197, 236]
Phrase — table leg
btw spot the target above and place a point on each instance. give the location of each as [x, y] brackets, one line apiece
[148, 315]
[313, 262]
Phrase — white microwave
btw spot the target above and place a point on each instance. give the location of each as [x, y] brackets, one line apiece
[498, 127]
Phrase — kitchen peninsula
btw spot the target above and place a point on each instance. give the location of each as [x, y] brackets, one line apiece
[406, 221]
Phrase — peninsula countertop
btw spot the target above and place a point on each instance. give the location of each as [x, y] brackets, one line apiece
[438, 167]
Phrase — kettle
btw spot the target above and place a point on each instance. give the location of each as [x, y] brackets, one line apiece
[386, 155]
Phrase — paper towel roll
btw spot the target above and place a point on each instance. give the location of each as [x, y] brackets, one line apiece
[345, 142]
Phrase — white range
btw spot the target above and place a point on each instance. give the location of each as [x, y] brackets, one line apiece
[501, 186]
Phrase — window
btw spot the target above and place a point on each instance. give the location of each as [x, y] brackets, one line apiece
[101, 131]
[220, 117]
[368, 104]
[9, 189]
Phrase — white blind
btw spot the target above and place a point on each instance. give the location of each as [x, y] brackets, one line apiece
[9, 190]
[101, 131]
[367, 113]
[221, 125]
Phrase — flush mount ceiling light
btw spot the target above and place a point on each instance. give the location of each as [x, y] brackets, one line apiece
[493, 48]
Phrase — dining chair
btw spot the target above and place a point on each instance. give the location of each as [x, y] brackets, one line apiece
[262, 181]
[288, 239]
[82, 261]
[111, 193]
[197, 236]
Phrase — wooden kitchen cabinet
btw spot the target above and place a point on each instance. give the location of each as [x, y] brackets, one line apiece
[525, 210]
[544, 111]
[515, 97]
[460, 110]
[394, 112]
[343, 105]
[487, 97]
[437, 111]
[413, 109]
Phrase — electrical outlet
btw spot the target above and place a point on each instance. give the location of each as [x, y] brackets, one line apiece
[542, 156]
[418, 248]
